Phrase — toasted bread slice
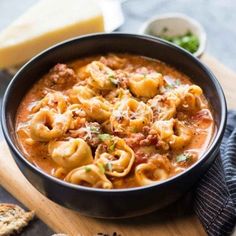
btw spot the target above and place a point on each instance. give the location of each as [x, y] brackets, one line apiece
[13, 218]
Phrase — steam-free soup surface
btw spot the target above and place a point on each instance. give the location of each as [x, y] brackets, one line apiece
[114, 121]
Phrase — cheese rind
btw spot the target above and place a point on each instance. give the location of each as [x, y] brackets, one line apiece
[47, 23]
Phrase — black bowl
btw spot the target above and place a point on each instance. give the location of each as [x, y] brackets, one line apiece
[115, 203]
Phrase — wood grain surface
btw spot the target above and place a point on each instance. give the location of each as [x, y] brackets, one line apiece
[176, 219]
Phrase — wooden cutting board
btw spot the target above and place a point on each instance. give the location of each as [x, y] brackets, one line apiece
[177, 219]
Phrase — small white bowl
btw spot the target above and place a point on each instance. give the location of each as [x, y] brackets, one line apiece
[177, 24]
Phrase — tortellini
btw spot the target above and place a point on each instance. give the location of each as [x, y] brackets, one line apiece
[102, 77]
[154, 170]
[96, 107]
[118, 94]
[79, 94]
[78, 116]
[142, 85]
[47, 125]
[116, 157]
[164, 129]
[60, 172]
[163, 107]
[185, 96]
[71, 153]
[129, 115]
[174, 132]
[56, 101]
[182, 136]
[90, 176]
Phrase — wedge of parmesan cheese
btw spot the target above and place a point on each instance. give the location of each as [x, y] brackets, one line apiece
[46, 23]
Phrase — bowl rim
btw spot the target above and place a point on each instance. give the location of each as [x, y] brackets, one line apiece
[173, 15]
[210, 150]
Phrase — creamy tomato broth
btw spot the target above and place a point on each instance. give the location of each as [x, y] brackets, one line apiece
[114, 121]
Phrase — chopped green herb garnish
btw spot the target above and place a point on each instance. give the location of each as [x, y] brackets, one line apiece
[109, 141]
[112, 146]
[94, 129]
[104, 137]
[87, 169]
[101, 167]
[170, 86]
[109, 166]
[188, 41]
[177, 82]
[113, 79]
[174, 84]
[111, 76]
[183, 157]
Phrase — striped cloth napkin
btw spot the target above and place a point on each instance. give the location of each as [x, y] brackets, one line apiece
[215, 195]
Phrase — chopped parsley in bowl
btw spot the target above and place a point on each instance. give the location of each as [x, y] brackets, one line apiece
[179, 29]
[188, 41]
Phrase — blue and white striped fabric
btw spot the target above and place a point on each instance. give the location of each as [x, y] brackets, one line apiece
[215, 196]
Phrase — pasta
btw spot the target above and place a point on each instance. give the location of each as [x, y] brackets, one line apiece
[116, 157]
[156, 169]
[174, 132]
[114, 121]
[101, 76]
[70, 154]
[54, 100]
[89, 175]
[164, 108]
[143, 85]
[96, 107]
[47, 125]
[129, 115]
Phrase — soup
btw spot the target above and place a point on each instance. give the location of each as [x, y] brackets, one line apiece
[114, 121]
